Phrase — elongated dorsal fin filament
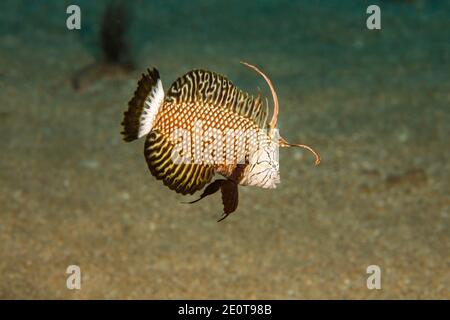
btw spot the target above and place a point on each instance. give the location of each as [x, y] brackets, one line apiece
[273, 122]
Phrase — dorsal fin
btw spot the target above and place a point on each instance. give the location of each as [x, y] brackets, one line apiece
[212, 88]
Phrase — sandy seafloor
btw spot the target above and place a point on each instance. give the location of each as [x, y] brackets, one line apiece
[376, 104]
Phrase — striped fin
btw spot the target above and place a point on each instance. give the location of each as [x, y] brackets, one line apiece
[184, 178]
[143, 107]
[215, 89]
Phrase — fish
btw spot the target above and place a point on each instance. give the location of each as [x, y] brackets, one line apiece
[203, 127]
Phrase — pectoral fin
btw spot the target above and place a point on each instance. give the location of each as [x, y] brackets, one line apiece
[229, 190]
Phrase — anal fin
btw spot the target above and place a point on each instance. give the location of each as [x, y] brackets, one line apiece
[180, 176]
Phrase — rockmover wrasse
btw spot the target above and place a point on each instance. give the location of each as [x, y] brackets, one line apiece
[204, 125]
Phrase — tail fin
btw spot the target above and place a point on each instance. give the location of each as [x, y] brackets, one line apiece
[143, 107]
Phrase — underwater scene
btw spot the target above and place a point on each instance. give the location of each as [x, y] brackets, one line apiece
[92, 207]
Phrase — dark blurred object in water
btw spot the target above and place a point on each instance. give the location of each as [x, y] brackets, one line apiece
[115, 50]
[114, 27]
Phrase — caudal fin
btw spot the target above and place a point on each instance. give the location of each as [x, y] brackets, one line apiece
[143, 107]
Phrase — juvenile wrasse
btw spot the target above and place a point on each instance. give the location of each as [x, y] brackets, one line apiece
[204, 125]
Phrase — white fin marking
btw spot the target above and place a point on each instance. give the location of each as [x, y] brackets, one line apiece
[152, 105]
